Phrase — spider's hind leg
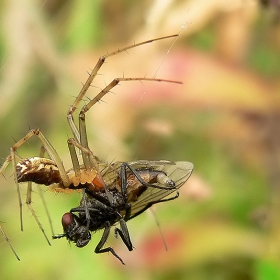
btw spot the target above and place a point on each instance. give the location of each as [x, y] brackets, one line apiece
[8, 241]
[28, 203]
[27, 169]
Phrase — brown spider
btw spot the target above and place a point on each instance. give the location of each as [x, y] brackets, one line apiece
[51, 171]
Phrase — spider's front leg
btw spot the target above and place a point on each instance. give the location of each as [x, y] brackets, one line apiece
[80, 134]
[91, 77]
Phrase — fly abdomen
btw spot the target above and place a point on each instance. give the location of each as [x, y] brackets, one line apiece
[164, 180]
[157, 177]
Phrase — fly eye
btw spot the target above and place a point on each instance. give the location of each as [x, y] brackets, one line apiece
[66, 220]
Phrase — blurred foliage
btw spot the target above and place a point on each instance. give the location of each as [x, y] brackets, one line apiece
[224, 119]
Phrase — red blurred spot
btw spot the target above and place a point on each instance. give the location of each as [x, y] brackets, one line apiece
[154, 246]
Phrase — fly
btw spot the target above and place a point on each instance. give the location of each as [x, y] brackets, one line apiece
[130, 189]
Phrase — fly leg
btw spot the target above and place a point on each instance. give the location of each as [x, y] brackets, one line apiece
[124, 234]
[103, 240]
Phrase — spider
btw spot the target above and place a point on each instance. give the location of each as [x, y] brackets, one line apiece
[51, 171]
[138, 186]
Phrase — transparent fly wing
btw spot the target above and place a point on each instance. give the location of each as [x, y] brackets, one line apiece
[178, 172]
[111, 171]
[154, 164]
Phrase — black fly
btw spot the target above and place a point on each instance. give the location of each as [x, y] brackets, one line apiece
[129, 189]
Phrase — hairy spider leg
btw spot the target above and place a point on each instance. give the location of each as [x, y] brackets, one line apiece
[8, 240]
[41, 155]
[91, 77]
[80, 134]
[89, 159]
[54, 156]
[28, 202]
[80, 140]
[90, 164]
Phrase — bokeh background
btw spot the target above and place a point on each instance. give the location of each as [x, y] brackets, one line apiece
[224, 118]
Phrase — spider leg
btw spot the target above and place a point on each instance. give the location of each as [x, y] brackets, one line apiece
[81, 135]
[8, 240]
[12, 158]
[112, 84]
[91, 77]
[50, 150]
[74, 157]
[90, 167]
[90, 161]
[42, 153]
[28, 202]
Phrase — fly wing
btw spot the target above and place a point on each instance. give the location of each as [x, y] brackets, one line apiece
[178, 172]
[111, 171]
[155, 164]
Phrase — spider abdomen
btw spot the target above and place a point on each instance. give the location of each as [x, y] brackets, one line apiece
[38, 170]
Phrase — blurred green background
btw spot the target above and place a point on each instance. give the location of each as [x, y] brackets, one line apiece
[224, 118]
